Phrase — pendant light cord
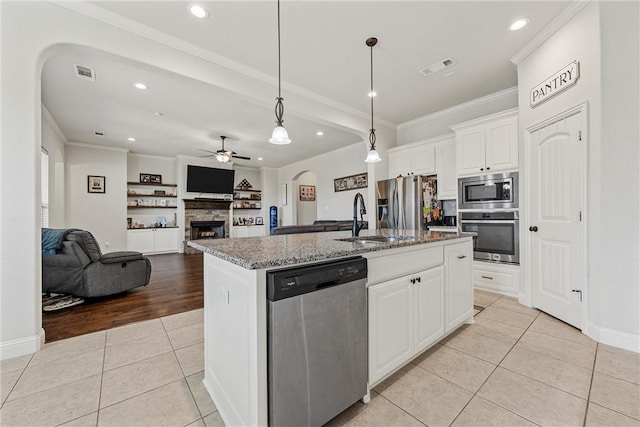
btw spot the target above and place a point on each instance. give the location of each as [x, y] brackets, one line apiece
[279, 66]
[372, 131]
[279, 110]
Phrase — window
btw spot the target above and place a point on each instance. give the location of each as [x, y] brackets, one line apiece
[44, 187]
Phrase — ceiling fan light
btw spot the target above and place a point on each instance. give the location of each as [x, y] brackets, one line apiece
[280, 136]
[222, 157]
[373, 156]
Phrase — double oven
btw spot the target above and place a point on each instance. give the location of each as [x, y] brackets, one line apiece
[488, 206]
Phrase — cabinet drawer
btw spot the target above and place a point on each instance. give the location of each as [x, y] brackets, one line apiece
[499, 278]
[400, 264]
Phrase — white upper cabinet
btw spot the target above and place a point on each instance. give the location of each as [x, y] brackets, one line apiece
[488, 144]
[446, 168]
[413, 160]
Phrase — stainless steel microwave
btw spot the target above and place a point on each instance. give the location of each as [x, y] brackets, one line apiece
[489, 191]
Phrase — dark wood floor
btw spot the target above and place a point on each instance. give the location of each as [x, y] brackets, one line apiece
[176, 286]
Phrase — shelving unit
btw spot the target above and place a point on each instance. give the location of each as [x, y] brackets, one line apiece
[246, 207]
[149, 230]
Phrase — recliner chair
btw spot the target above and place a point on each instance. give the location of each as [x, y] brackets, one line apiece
[79, 268]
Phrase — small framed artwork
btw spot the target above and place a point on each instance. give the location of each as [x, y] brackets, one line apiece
[307, 193]
[96, 184]
[259, 220]
[351, 182]
[150, 178]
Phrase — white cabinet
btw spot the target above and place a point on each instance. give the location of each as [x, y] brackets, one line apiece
[500, 278]
[247, 231]
[446, 169]
[487, 144]
[153, 240]
[405, 317]
[459, 289]
[414, 160]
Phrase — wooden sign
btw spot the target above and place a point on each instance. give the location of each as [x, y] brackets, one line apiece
[555, 84]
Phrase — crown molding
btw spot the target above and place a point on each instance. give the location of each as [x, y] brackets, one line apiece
[433, 140]
[54, 125]
[151, 156]
[559, 21]
[491, 117]
[461, 107]
[131, 26]
[96, 147]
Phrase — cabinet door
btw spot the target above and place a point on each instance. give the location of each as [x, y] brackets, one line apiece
[458, 287]
[399, 163]
[141, 240]
[423, 160]
[470, 151]
[428, 299]
[255, 231]
[240, 231]
[446, 167]
[390, 327]
[166, 240]
[501, 141]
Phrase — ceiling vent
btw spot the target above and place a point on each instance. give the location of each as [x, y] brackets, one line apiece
[86, 73]
[437, 66]
[98, 133]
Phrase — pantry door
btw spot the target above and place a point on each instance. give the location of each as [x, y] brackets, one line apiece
[556, 150]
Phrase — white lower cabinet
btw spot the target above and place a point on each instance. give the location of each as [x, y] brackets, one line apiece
[459, 294]
[405, 317]
[500, 278]
[247, 231]
[153, 240]
[410, 313]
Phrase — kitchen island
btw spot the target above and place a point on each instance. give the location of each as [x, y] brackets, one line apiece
[419, 290]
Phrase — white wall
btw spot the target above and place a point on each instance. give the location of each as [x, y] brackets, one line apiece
[270, 192]
[439, 123]
[104, 215]
[306, 211]
[157, 165]
[339, 163]
[54, 142]
[603, 37]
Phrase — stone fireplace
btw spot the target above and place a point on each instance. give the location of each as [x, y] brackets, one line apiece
[206, 219]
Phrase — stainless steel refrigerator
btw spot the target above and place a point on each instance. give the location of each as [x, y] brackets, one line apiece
[409, 202]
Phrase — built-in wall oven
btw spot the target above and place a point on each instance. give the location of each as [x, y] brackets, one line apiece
[495, 191]
[496, 235]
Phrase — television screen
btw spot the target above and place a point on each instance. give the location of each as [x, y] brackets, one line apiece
[209, 180]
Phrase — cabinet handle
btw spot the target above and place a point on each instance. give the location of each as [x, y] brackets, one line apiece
[418, 279]
[487, 277]
[488, 168]
[481, 169]
[413, 281]
[462, 256]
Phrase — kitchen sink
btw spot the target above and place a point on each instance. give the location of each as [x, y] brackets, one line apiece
[376, 239]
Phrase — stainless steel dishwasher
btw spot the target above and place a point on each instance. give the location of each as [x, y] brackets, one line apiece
[317, 341]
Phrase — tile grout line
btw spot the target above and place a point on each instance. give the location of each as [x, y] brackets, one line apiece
[104, 358]
[6, 399]
[489, 376]
[401, 408]
[593, 373]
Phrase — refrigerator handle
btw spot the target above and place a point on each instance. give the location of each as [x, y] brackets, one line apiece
[396, 210]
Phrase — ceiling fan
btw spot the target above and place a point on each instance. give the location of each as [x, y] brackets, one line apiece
[223, 155]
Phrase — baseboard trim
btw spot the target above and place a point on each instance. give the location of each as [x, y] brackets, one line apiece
[613, 337]
[21, 346]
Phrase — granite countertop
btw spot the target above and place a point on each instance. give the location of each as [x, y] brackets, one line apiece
[288, 249]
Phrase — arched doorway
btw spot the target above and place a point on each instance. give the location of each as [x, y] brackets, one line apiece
[304, 195]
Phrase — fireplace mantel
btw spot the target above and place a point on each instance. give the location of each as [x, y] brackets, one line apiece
[207, 204]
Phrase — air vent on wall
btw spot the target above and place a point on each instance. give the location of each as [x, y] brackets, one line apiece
[86, 73]
[437, 66]
[98, 133]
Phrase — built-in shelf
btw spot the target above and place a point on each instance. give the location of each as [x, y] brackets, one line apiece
[246, 209]
[146, 228]
[152, 184]
[248, 191]
[151, 195]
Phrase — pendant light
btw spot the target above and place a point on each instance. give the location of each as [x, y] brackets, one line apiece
[373, 155]
[279, 135]
[221, 155]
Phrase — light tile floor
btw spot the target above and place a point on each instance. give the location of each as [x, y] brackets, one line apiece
[514, 367]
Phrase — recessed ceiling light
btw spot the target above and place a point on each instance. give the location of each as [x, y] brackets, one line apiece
[131, 139]
[319, 133]
[198, 11]
[158, 113]
[259, 158]
[140, 86]
[518, 24]
[372, 94]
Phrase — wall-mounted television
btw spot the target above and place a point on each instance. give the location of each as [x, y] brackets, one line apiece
[201, 179]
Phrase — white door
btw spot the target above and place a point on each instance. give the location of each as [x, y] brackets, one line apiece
[447, 181]
[556, 214]
[429, 307]
[390, 326]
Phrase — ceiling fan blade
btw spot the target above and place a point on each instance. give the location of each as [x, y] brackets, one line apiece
[208, 155]
[207, 151]
[241, 157]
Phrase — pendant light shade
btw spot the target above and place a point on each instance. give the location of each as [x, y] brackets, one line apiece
[279, 135]
[373, 155]
[222, 157]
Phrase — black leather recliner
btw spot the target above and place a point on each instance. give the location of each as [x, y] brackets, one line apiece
[79, 268]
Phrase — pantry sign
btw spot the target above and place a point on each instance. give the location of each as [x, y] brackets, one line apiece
[555, 84]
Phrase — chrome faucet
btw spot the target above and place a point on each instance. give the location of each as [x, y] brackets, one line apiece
[355, 229]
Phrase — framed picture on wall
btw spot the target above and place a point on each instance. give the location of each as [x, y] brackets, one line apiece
[307, 193]
[96, 184]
